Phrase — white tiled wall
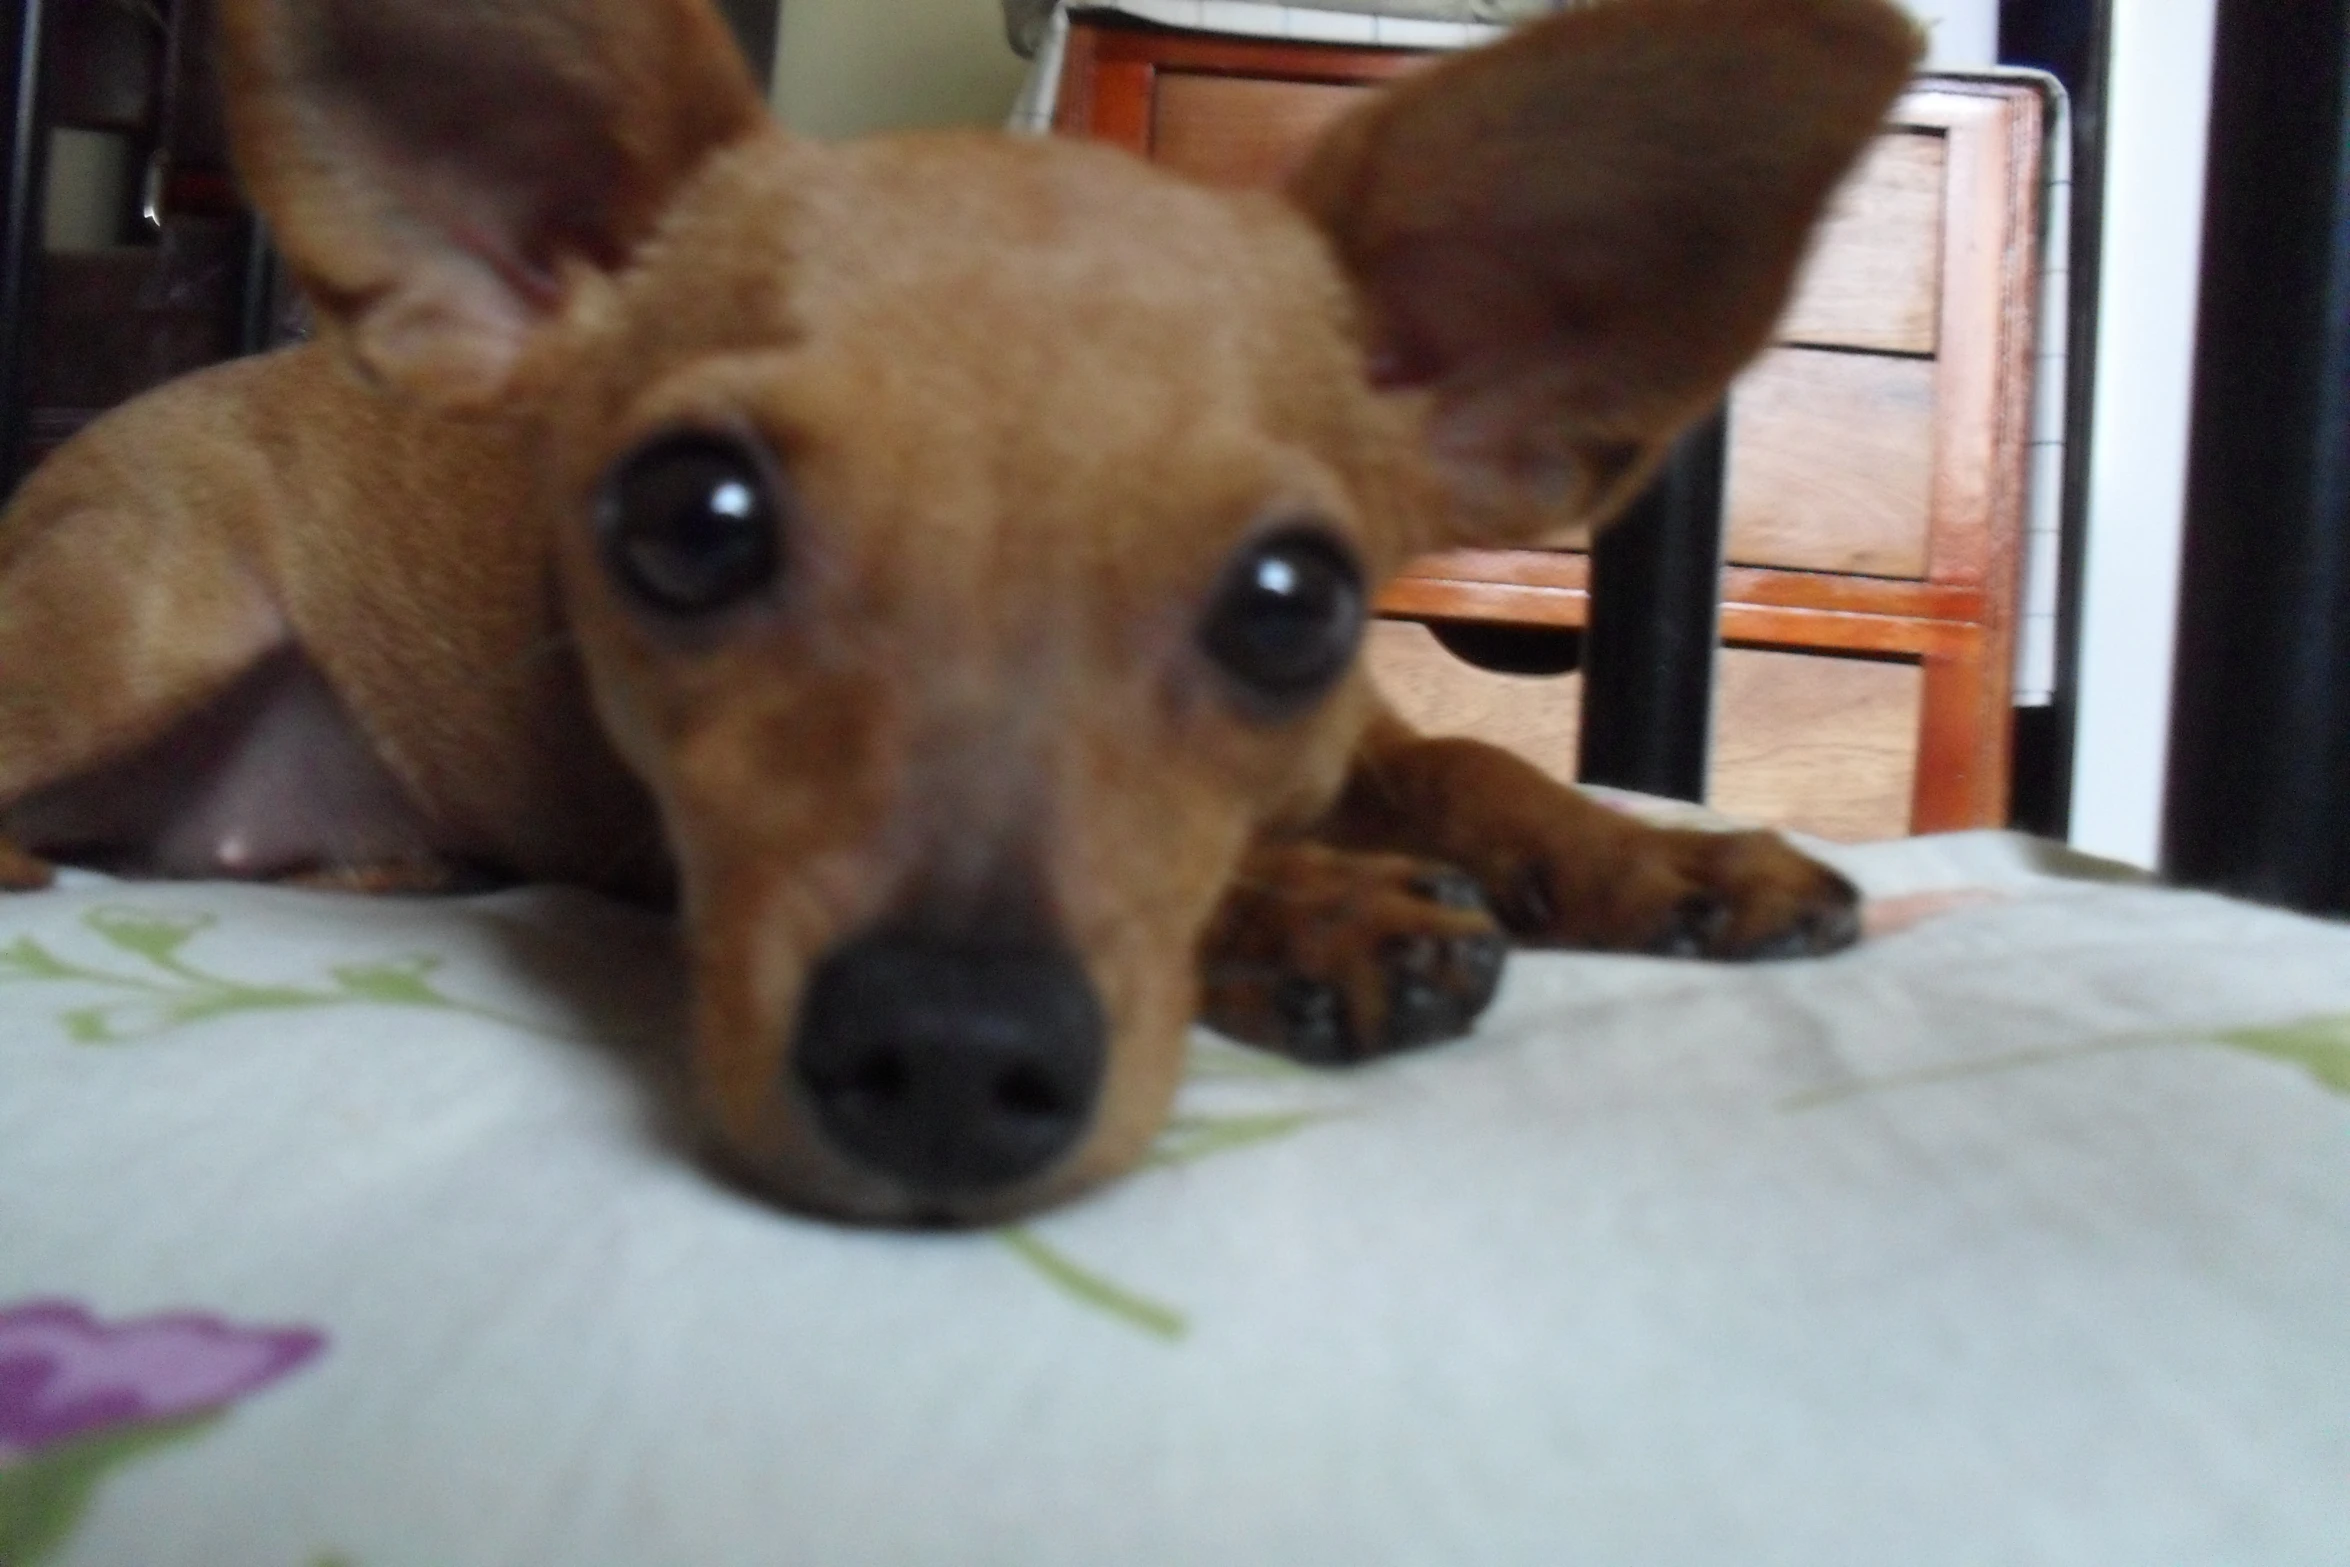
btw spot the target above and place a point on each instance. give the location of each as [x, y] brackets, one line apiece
[2036, 625]
[1961, 35]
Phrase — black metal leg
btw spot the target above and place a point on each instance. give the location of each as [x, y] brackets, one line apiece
[24, 171]
[1648, 657]
[257, 291]
[2259, 786]
[755, 23]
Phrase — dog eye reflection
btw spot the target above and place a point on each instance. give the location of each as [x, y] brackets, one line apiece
[688, 524]
[1286, 620]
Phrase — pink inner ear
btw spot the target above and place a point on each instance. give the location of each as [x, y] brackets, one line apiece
[516, 227]
[1420, 311]
[453, 328]
[1427, 298]
[1395, 369]
[532, 278]
[1459, 311]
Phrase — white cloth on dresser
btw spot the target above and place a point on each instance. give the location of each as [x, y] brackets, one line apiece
[1024, 20]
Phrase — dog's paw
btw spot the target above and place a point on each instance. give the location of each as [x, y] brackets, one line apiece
[1739, 896]
[1330, 956]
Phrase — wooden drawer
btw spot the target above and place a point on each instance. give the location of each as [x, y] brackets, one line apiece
[1874, 280]
[1236, 130]
[1832, 463]
[1822, 744]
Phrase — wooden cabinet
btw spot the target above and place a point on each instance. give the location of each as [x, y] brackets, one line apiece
[1878, 450]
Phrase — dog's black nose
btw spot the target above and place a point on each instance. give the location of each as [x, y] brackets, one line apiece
[952, 1068]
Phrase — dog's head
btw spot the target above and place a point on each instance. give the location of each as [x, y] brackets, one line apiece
[968, 540]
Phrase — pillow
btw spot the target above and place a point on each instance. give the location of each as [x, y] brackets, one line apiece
[356, 1231]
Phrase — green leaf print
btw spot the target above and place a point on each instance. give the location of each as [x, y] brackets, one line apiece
[25, 958]
[1192, 1137]
[401, 983]
[1222, 1071]
[2320, 1046]
[42, 1497]
[153, 936]
[1090, 1289]
[164, 991]
[1214, 1060]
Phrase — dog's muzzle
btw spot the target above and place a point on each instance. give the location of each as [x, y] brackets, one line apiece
[950, 1068]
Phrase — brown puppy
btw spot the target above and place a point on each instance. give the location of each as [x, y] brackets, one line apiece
[941, 557]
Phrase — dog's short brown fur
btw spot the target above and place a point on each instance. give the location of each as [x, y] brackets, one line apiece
[1020, 407]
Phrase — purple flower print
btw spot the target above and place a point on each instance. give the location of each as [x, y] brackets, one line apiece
[64, 1374]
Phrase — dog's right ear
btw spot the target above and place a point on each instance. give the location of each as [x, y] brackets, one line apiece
[436, 170]
[1573, 239]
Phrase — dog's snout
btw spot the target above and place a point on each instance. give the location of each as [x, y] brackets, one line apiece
[949, 1068]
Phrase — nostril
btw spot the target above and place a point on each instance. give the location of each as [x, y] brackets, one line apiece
[880, 1079]
[1025, 1090]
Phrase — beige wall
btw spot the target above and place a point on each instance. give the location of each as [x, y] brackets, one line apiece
[845, 67]
[85, 193]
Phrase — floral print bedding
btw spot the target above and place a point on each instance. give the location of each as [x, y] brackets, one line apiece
[362, 1232]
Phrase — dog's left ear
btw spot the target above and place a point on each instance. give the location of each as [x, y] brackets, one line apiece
[1574, 239]
[433, 168]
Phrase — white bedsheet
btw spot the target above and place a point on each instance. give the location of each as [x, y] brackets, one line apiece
[2020, 1234]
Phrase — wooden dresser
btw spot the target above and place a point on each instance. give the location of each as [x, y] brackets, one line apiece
[1877, 461]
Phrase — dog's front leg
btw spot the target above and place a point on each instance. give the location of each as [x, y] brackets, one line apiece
[1385, 929]
[1561, 869]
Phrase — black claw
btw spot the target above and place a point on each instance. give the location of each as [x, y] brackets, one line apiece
[1836, 924]
[1479, 961]
[1412, 1009]
[1314, 1024]
[1451, 888]
[1529, 908]
[1796, 941]
[1698, 924]
[1437, 989]
[1830, 927]
[1827, 926]
[1415, 959]
[1835, 929]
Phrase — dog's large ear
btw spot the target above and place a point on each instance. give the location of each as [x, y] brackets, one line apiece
[434, 169]
[1574, 239]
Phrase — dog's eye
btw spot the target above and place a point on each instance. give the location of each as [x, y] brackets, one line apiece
[688, 524]
[1287, 618]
